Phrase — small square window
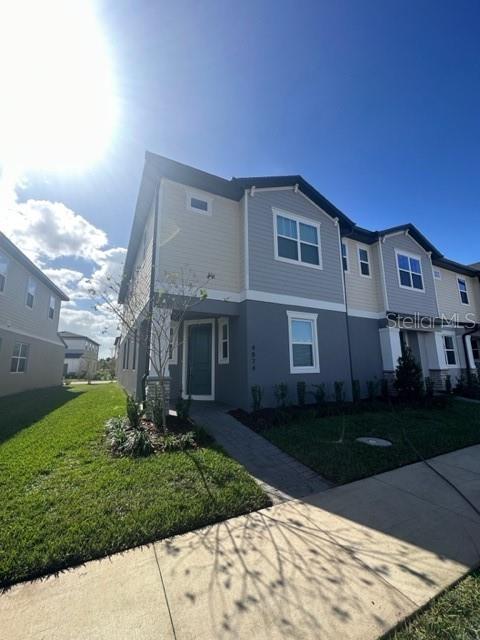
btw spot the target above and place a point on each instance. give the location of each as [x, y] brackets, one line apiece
[198, 203]
[410, 271]
[297, 241]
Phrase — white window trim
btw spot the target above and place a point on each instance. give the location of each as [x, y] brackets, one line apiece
[465, 304]
[174, 328]
[347, 256]
[312, 317]
[367, 249]
[18, 358]
[298, 219]
[186, 325]
[455, 350]
[199, 195]
[30, 279]
[221, 323]
[400, 252]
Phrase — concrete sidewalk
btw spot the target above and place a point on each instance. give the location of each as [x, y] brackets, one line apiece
[346, 563]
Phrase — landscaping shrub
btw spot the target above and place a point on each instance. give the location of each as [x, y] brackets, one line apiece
[301, 393]
[182, 407]
[408, 378]
[281, 394]
[339, 392]
[448, 384]
[157, 413]
[320, 394]
[385, 390]
[429, 387]
[356, 393]
[133, 411]
[257, 395]
[372, 389]
[123, 439]
[178, 441]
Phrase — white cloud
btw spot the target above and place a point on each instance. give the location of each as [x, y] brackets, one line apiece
[50, 230]
[47, 231]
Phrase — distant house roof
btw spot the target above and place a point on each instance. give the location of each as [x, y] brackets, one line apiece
[70, 334]
[10, 248]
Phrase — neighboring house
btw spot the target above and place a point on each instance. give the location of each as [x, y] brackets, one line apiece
[81, 355]
[31, 353]
[301, 293]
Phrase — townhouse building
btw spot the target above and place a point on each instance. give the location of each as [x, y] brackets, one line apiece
[81, 355]
[31, 353]
[301, 292]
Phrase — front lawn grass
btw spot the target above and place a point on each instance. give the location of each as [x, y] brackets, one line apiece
[455, 615]
[65, 499]
[318, 443]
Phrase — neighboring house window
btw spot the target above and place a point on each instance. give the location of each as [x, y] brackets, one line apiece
[437, 274]
[198, 203]
[134, 363]
[30, 297]
[410, 271]
[344, 256]
[297, 241]
[303, 342]
[173, 343]
[449, 350]
[51, 308]
[223, 341]
[462, 287]
[475, 348]
[128, 353]
[364, 262]
[124, 362]
[3, 272]
[18, 363]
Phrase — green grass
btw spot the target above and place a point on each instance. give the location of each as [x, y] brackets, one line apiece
[455, 615]
[314, 441]
[65, 500]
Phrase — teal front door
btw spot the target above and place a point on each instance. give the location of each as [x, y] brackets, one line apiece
[199, 362]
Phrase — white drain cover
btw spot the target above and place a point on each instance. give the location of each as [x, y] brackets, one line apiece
[375, 442]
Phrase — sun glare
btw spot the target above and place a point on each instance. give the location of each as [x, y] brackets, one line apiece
[57, 107]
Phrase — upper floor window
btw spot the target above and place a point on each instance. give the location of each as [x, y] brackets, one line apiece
[449, 350]
[198, 203]
[344, 256]
[437, 274]
[364, 261]
[223, 341]
[51, 308]
[462, 288]
[3, 271]
[410, 271]
[19, 360]
[303, 342]
[31, 288]
[297, 240]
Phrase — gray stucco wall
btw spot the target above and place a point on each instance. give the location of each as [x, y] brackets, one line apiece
[408, 301]
[44, 367]
[366, 353]
[273, 276]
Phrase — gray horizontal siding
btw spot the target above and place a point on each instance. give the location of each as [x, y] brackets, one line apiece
[273, 276]
[408, 301]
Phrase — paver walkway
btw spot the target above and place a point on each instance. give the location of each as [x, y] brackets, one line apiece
[280, 475]
[349, 564]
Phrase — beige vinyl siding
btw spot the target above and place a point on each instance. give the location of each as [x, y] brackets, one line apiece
[363, 293]
[449, 297]
[16, 316]
[200, 242]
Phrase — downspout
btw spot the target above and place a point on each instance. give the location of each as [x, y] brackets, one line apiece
[347, 320]
[152, 292]
[465, 348]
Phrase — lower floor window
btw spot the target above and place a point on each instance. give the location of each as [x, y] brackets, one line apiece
[18, 363]
[449, 349]
[223, 341]
[476, 348]
[302, 330]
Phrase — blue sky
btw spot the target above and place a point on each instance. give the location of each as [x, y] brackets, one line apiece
[376, 103]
